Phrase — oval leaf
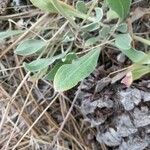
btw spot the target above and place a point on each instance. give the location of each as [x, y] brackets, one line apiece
[8, 33]
[123, 41]
[90, 27]
[29, 47]
[139, 71]
[45, 5]
[39, 64]
[134, 54]
[48, 5]
[70, 74]
[111, 15]
[42, 63]
[121, 7]
[80, 6]
[99, 14]
[67, 60]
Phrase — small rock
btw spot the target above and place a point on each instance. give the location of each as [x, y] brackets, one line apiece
[89, 107]
[126, 100]
[110, 138]
[130, 98]
[141, 117]
[102, 84]
[145, 96]
[101, 103]
[96, 121]
[134, 144]
[121, 58]
[125, 126]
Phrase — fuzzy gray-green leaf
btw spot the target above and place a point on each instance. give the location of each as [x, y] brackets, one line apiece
[70, 74]
[29, 47]
[121, 7]
[123, 41]
[38, 65]
[9, 33]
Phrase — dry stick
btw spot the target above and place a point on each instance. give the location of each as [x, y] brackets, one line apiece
[58, 32]
[23, 35]
[66, 118]
[36, 34]
[142, 40]
[24, 105]
[13, 68]
[21, 84]
[17, 107]
[29, 73]
[23, 14]
[99, 45]
[89, 11]
[12, 99]
[35, 122]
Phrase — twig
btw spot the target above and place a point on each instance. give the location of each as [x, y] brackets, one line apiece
[67, 116]
[35, 122]
[23, 35]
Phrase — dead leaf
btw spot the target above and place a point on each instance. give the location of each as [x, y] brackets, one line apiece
[128, 79]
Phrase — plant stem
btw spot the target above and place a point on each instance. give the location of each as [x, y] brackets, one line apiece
[142, 40]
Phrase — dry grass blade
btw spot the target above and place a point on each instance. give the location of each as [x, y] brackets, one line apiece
[35, 122]
[66, 117]
[93, 114]
[12, 99]
[23, 35]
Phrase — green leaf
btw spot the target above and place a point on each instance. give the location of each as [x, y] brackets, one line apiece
[67, 60]
[99, 14]
[38, 64]
[141, 66]
[52, 72]
[90, 27]
[139, 71]
[45, 5]
[121, 7]
[145, 59]
[63, 12]
[134, 54]
[9, 33]
[91, 41]
[111, 15]
[50, 6]
[80, 6]
[69, 75]
[123, 27]
[42, 63]
[104, 32]
[123, 41]
[29, 47]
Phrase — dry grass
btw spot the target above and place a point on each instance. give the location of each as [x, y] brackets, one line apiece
[32, 116]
